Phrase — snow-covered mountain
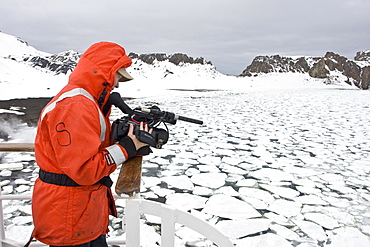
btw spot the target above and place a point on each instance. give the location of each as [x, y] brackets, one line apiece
[42, 74]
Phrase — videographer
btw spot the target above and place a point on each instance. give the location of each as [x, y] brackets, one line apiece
[72, 198]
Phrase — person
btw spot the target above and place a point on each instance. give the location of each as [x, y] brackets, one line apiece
[72, 198]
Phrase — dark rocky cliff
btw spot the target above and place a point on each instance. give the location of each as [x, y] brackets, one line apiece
[61, 63]
[356, 72]
[176, 58]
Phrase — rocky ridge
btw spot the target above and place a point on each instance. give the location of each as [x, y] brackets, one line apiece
[177, 58]
[61, 63]
[332, 67]
[65, 62]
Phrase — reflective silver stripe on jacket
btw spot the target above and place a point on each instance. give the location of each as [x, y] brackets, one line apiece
[75, 92]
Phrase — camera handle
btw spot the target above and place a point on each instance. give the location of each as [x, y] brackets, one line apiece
[116, 100]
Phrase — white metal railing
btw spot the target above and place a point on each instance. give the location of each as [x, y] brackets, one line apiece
[134, 208]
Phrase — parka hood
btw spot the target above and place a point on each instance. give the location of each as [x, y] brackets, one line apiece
[97, 66]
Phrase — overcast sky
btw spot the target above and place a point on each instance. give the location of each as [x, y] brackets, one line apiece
[229, 33]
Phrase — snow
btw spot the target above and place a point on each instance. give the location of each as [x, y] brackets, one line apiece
[281, 160]
[10, 111]
[16, 47]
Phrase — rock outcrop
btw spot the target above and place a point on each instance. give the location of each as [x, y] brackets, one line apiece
[363, 56]
[276, 63]
[355, 72]
[365, 78]
[318, 70]
[61, 63]
[177, 58]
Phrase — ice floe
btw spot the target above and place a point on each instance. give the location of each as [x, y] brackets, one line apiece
[265, 240]
[185, 202]
[210, 180]
[229, 207]
[235, 229]
[348, 236]
[312, 230]
[322, 219]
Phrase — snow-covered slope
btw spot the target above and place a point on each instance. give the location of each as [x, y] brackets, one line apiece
[17, 78]
[11, 46]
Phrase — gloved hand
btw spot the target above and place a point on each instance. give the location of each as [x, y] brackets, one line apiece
[144, 151]
[128, 144]
[142, 137]
[132, 143]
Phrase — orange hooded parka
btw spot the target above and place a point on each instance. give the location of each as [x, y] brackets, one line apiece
[73, 140]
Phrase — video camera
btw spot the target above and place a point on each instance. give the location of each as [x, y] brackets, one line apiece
[152, 116]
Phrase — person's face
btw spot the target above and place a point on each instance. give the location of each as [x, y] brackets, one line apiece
[116, 80]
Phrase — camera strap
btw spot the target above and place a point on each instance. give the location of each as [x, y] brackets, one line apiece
[102, 97]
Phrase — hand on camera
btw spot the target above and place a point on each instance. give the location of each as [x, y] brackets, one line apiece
[144, 151]
[136, 141]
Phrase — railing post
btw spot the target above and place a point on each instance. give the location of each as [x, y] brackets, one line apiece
[168, 226]
[132, 216]
[2, 230]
